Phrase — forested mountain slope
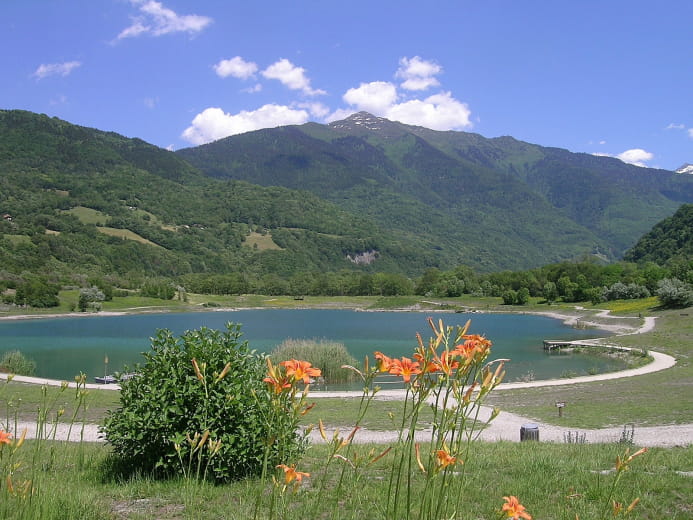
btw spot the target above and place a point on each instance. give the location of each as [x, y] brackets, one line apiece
[672, 238]
[79, 200]
[363, 194]
[494, 203]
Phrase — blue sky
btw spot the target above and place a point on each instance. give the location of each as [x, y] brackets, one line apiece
[609, 77]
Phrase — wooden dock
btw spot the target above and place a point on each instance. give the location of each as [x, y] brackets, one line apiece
[550, 344]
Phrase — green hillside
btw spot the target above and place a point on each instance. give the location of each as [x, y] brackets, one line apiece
[363, 195]
[491, 203]
[668, 241]
[78, 200]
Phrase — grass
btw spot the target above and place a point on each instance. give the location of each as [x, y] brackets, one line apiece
[328, 356]
[561, 481]
[89, 215]
[262, 242]
[126, 234]
[20, 401]
[16, 240]
[552, 480]
[383, 415]
[651, 399]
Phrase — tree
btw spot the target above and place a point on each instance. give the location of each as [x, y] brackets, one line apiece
[90, 297]
[672, 292]
[550, 292]
[522, 297]
[509, 297]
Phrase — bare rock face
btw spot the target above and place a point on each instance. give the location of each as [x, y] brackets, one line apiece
[365, 258]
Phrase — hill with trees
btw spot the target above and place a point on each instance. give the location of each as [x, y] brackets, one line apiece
[490, 203]
[669, 240]
[361, 206]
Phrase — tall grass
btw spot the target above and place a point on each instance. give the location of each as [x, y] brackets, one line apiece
[330, 356]
[25, 468]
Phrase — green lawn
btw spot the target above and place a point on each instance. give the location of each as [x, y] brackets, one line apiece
[553, 481]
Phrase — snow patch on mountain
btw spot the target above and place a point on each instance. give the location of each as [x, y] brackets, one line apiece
[686, 168]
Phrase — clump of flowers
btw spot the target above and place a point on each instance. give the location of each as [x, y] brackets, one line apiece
[513, 509]
[451, 375]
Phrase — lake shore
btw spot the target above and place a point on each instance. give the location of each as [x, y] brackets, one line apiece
[577, 317]
[506, 426]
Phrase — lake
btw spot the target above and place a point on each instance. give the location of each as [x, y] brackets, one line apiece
[62, 347]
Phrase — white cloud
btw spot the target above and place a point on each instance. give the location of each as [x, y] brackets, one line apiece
[319, 110]
[157, 20]
[292, 76]
[675, 126]
[213, 123]
[55, 69]
[636, 156]
[438, 112]
[690, 133]
[376, 97]
[251, 90]
[418, 74]
[236, 67]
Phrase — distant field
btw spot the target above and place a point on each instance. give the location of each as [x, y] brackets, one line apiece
[88, 215]
[126, 234]
[263, 242]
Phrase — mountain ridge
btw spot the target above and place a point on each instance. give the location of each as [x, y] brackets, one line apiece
[306, 198]
[596, 202]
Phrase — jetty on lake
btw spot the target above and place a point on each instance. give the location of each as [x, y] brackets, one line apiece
[551, 344]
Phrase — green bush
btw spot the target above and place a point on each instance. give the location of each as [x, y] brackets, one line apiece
[14, 362]
[204, 381]
[330, 356]
[673, 293]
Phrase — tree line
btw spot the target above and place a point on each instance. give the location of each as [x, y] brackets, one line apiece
[585, 281]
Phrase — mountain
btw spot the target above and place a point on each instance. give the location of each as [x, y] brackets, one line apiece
[669, 239]
[363, 195]
[80, 200]
[686, 168]
[491, 203]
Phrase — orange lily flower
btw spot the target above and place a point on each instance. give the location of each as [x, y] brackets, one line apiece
[5, 437]
[514, 509]
[446, 362]
[382, 362]
[290, 473]
[429, 366]
[277, 384]
[405, 368]
[300, 370]
[444, 459]
[275, 379]
[474, 347]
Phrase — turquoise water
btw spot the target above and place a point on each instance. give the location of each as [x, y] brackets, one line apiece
[63, 347]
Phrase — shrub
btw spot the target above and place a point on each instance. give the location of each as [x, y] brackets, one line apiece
[328, 355]
[672, 292]
[509, 297]
[201, 396]
[14, 362]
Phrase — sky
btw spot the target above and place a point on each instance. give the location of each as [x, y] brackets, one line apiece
[608, 77]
